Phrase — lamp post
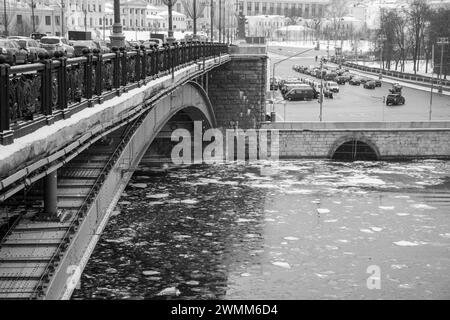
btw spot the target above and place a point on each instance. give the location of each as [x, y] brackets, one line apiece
[381, 39]
[442, 42]
[170, 4]
[32, 16]
[212, 20]
[117, 37]
[277, 63]
[5, 17]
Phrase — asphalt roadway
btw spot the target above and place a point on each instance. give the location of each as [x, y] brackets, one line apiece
[352, 103]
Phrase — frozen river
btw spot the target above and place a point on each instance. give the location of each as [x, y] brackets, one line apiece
[287, 230]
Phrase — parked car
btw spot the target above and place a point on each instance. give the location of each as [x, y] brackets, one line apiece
[341, 80]
[102, 46]
[159, 42]
[300, 92]
[332, 86]
[355, 82]
[80, 45]
[53, 44]
[396, 88]
[364, 80]
[32, 47]
[395, 99]
[12, 52]
[369, 85]
[377, 83]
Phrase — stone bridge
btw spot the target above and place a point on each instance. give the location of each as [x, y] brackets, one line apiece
[73, 131]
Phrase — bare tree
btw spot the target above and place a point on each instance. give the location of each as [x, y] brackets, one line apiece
[418, 15]
[335, 11]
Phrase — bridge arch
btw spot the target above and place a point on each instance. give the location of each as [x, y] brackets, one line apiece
[354, 147]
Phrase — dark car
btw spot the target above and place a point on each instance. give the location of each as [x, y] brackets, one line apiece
[341, 80]
[32, 47]
[364, 80]
[80, 45]
[395, 99]
[12, 52]
[369, 85]
[302, 92]
[377, 83]
[355, 82]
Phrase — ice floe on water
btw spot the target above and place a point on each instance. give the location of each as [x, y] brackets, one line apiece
[282, 264]
[399, 266]
[157, 195]
[402, 214]
[138, 185]
[366, 230]
[422, 206]
[323, 210]
[376, 229]
[291, 238]
[386, 207]
[445, 235]
[405, 243]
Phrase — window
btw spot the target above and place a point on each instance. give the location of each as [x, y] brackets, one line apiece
[57, 20]
[93, 7]
[256, 7]
[99, 8]
[19, 19]
[110, 21]
[36, 20]
[249, 8]
[100, 21]
[48, 20]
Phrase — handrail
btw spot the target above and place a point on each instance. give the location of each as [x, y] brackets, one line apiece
[71, 84]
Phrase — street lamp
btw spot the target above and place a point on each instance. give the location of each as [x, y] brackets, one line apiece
[170, 4]
[442, 42]
[117, 37]
[381, 39]
[277, 63]
[32, 16]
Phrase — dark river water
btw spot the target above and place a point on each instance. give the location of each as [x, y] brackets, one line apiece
[286, 230]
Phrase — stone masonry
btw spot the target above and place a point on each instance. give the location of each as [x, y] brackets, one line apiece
[237, 91]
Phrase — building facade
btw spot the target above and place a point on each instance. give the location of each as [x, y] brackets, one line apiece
[19, 17]
[290, 8]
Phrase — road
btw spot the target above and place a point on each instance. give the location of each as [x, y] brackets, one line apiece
[352, 103]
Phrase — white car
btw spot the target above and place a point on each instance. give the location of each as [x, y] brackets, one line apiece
[52, 44]
[332, 86]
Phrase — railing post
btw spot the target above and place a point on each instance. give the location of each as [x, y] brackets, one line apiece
[156, 57]
[88, 76]
[99, 75]
[62, 85]
[6, 135]
[137, 66]
[116, 71]
[124, 67]
[46, 89]
[143, 64]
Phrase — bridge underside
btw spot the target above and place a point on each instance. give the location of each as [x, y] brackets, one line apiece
[44, 252]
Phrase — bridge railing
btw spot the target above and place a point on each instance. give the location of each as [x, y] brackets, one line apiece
[34, 95]
[398, 74]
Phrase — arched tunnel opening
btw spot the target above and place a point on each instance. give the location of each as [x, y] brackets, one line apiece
[355, 150]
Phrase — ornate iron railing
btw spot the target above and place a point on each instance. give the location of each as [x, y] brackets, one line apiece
[38, 94]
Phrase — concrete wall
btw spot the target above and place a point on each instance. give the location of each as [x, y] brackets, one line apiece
[237, 90]
[389, 140]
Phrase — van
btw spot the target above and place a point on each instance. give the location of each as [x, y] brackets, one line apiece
[332, 86]
[300, 92]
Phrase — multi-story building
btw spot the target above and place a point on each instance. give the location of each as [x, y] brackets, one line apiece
[19, 17]
[264, 26]
[289, 8]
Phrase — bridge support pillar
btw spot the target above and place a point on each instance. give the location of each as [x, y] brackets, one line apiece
[50, 195]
